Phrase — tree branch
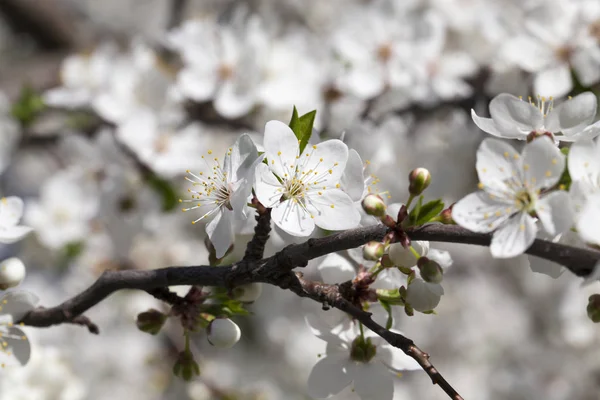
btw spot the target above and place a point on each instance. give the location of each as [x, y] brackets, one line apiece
[331, 294]
[277, 270]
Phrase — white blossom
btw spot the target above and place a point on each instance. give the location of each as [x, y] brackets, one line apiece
[308, 191]
[371, 374]
[512, 191]
[15, 349]
[513, 118]
[223, 333]
[11, 211]
[584, 169]
[223, 190]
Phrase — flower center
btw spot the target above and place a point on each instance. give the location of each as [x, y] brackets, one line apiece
[362, 350]
[211, 188]
[384, 53]
[524, 201]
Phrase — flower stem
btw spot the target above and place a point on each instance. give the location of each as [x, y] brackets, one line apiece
[414, 252]
[410, 199]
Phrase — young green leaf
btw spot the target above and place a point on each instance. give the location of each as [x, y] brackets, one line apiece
[302, 126]
[428, 211]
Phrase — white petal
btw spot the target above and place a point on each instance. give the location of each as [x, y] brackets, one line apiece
[487, 125]
[421, 297]
[326, 160]
[589, 132]
[572, 116]
[292, 218]
[478, 212]
[17, 350]
[336, 269]
[353, 179]
[333, 210]
[328, 377]
[220, 231]
[528, 53]
[197, 85]
[239, 160]
[267, 187]
[586, 63]
[555, 212]
[555, 81]
[396, 359]
[441, 257]
[11, 211]
[231, 102]
[545, 267]
[404, 257]
[513, 116]
[17, 304]
[373, 381]
[497, 161]
[14, 234]
[543, 163]
[584, 161]
[514, 237]
[281, 147]
[588, 225]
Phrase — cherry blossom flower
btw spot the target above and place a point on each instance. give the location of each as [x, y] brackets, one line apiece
[224, 189]
[222, 63]
[15, 349]
[11, 211]
[559, 36]
[513, 118]
[12, 273]
[83, 77]
[68, 203]
[512, 196]
[364, 361]
[584, 169]
[304, 189]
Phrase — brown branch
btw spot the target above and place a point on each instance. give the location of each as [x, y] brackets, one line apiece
[332, 295]
[275, 270]
[256, 247]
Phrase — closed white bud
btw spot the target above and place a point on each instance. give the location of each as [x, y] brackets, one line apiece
[419, 179]
[247, 293]
[223, 333]
[373, 251]
[403, 257]
[12, 272]
[374, 205]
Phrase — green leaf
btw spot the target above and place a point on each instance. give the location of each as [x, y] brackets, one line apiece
[165, 190]
[388, 309]
[28, 106]
[303, 126]
[428, 211]
[414, 213]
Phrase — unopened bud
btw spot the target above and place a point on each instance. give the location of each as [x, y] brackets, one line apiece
[247, 293]
[223, 333]
[186, 367]
[419, 179]
[446, 216]
[12, 272]
[373, 251]
[403, 257]
[374, 205]
[151, 321]
[593, 308]
[430, 270]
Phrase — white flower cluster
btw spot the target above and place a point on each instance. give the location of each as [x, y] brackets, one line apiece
[520, 189]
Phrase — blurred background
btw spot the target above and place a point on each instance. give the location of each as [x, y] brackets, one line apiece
[104, 105]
